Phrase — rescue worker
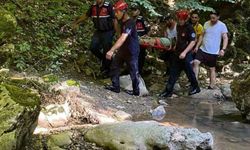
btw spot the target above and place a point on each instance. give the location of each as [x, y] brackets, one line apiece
[142, 29]
[103, 18]
[182, 57]
[126, 49]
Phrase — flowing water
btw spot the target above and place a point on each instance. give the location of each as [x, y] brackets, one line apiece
[223, 120]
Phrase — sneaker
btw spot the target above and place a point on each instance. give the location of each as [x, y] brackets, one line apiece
[194, 91]
[112, 88]
[166, 94]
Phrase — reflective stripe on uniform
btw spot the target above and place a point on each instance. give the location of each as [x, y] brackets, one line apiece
[101, 16]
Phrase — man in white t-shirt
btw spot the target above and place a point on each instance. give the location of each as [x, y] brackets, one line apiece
[209, 47]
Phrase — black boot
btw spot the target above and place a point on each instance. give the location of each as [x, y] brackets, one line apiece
[132, 93]
[166, 94]
[194, 90]
[112, 88]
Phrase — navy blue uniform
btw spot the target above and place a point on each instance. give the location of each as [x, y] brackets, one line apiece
[142, 29]
[103, 36]
[185, 35]
[127, 53]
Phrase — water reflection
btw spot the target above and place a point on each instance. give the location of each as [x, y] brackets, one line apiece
[221, 119]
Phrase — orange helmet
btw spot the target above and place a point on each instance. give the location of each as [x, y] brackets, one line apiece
[120, 5]
[182, 14]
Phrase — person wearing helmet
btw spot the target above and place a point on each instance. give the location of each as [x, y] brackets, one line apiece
[142, 29]
[181, 58]
[126, 49]
[103, 18]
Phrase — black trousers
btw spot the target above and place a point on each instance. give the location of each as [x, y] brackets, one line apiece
[176, 67]
[132, 62]
[142, 57]
[101, 43]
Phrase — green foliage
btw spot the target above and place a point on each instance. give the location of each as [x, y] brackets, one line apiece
[7, 24]
[146, 5]
[44, 38]
[192, 4]
[198, 4]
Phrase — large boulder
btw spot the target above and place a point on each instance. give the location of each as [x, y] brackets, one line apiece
[241, 93]
[19, 110]
[148, 135]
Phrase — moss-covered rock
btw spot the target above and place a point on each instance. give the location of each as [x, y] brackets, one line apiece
[19, 110]
[241, 93]
[60, 140]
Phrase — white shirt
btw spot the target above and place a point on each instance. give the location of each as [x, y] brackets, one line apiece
[171, 34]
[212, 37]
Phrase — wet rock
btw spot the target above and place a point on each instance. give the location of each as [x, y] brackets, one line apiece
[226, 91]
[19, 110]
[122, 116]
[148, 135]
[241, 93]
[207, 94]
[158, 113]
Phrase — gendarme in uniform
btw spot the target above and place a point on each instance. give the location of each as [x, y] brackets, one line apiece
[102, 17]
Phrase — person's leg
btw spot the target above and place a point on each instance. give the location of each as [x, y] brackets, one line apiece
[115, 73]
[141, 61]
[188, 67]
[107, 39]
[175, 71]
[199, 58]
[134, 74]
[212, 77]
[95, 46]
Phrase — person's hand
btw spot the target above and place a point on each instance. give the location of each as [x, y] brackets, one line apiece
[222, 52]
[195, 50]
[169, 48]
[182, 55]
[109, 54]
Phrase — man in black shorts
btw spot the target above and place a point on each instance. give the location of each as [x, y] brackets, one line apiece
[214, 32]
[182, 57]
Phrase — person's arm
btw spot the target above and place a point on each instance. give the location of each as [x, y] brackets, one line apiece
[117, 28]
[199, 42]
[191, 38]
[117, 45]
[225, 43]
[188, 49]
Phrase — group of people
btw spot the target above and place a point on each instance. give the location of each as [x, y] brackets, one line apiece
[192, 44]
